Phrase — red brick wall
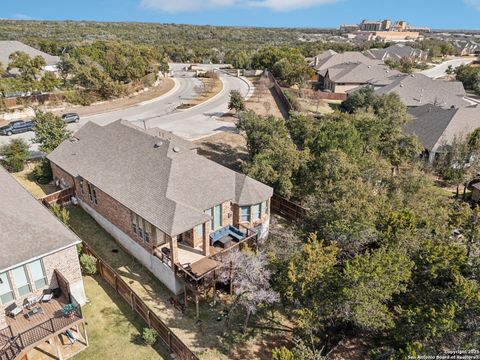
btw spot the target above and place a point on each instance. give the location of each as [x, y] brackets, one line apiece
[61, 175]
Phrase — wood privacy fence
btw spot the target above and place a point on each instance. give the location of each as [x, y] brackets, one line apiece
[60, 197]
[287, 208]
[278, 90]
[175, 345]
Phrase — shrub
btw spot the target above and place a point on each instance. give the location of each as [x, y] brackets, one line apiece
[81, 97]
[89, 264]
[282, 353]
[16, 153]
[149, 335]
[60, 212]
[43, 172]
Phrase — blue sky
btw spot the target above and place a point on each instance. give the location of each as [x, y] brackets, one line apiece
[464, 14]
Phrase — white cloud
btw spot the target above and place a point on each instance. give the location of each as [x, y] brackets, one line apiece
[473, 3]
[193, 5]
[21, 17]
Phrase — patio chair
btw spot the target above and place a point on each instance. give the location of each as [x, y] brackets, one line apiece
[13, 310]
[32, 300]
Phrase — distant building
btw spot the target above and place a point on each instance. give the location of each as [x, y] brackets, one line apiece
[9, 47]
[367, 25]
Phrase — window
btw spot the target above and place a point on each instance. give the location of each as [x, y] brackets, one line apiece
[140, 227]
[92, 193]
[148, 232]
[245, 213]
[6, 293]
[265, 207]
[199, 231]
[21, 281]
[217, 218]
[256, 212]
[134, 222]
[209, 212]
[38, 274]
[80, 181]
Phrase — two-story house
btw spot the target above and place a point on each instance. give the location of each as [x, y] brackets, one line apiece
[41, 287]
[168, 206]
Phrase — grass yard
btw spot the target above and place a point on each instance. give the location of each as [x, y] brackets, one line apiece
[27, 180]
[114, 330]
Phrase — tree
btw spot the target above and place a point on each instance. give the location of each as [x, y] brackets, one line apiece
[236, 101]
[28, 68]
[49, 82]
[16, 153]
[469, 76]
[250, 280]
[50, 131]
[60, 212]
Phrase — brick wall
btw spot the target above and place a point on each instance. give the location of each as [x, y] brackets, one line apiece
[61, 175]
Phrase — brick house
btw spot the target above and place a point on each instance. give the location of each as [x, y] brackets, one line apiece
[39, 274]
[168, 206]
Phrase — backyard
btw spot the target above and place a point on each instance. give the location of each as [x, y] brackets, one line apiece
[114, 330]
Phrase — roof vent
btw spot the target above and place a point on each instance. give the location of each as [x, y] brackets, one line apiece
[176, 149]
[74, 139]
[402, 85]
[158, 144]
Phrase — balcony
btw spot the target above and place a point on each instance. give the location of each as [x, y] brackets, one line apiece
[28, 334]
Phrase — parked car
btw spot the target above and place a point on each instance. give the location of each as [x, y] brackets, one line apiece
[71, 117]
[16, 127]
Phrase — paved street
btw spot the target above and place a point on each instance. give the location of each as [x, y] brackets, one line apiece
[193, 123]
[439, 70]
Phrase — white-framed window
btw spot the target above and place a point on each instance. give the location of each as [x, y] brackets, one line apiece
[134, 223]
[265, 207]
[256, 212]
[199, 231]
[245, 213]
[38, 274]
[80, 183]
[21, 281]
[217, 217]
[147, 232]
[6, 292]
[92, 194]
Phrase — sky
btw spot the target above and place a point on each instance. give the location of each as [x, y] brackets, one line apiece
[438, 14]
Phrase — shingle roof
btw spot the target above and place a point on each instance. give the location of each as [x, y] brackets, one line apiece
[418, 89]
[347, 57]
[363, 74]
[436, 126]
[395, 52]
[159, 179]
[27, 229]
[8, 47]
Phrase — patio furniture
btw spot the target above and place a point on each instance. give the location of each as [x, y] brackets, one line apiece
[47, 297]
[32, 300]
[229, 230]
[166, 251]
[225, 242]
[14, 310]
[35, 311]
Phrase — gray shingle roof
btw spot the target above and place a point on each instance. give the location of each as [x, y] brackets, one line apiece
[8, 47]
[435, 126]
[27, 229]
[347, 57]
[395, 52]
[159, 179]
[418, 89]
[359, 73]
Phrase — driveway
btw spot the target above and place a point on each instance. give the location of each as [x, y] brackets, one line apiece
[439, 70]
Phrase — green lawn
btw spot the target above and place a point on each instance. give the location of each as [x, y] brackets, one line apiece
[27, 180]
[114, 331]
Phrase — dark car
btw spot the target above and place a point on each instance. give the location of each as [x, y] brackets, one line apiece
[16, 127]
[70, 118]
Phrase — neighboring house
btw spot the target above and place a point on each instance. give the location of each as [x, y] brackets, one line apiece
[397, 52]
[466, 47]
[39, 275]
[345, 77]
[330, 58]
[418, 89]
[172, 209]
[9, 47]
[436, 127]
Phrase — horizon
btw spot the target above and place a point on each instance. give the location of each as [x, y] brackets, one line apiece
[300, 14]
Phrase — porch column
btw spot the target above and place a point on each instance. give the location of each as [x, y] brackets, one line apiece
[58, 346]
[206, 243]
[173, 251]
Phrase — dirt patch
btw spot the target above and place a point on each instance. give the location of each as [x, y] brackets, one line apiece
[264, 101]
[226, 148]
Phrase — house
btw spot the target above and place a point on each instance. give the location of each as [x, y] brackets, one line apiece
[436, 127]
[345, 77]
[418, 89]
[9, 47]
[466, 47]
[39, 275]
[172, 209]
[397, 52]
[329, 58]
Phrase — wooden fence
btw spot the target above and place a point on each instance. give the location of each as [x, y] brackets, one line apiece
[278, 90]
[60, 197]
[287, 208]
[175, 345]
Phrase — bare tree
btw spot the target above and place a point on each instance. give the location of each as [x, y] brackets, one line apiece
[250, 281]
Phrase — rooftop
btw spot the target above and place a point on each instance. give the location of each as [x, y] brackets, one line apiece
[28, 229]
[160, 179]
[9, 47]
[327, 60]
[379, 75]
